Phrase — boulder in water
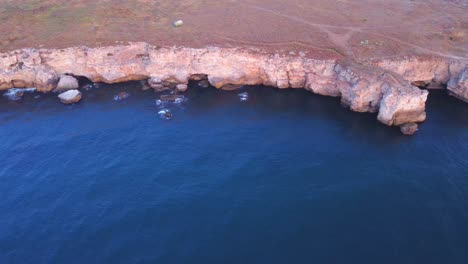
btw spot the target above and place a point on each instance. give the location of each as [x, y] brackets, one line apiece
[165, 113]
[204, 83]
[70, 96]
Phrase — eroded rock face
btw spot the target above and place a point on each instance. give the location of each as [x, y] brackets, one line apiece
[380, 86]
[70, 97]
[458, 86]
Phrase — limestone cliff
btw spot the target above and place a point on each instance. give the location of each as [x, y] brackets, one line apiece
[382, 86]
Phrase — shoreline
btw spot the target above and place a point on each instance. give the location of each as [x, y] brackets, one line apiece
[383, 86]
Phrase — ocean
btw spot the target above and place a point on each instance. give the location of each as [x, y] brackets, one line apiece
[267, 176]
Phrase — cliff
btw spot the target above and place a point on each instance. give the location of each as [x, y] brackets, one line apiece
[375, 55]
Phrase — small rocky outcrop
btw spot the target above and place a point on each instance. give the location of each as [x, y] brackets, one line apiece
[409, 128]
[67, 82]
[70, 97]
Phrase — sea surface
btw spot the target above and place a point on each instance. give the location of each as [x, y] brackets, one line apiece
[271, 176]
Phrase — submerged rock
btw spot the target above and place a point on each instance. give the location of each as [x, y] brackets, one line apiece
[88, 87]
[172, 98]
[70, 96]
[121, 96]
[165, 113]
[67, 82]
[204, 83]
[409, 129]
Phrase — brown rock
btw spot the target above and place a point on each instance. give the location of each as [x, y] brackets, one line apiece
[170, 97]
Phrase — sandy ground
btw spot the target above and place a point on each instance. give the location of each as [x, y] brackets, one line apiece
[362, 29]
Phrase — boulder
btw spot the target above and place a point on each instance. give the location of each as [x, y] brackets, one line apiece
[409, 128]
[70, 96]
[66, 83]
[158, 85]
[181, 87]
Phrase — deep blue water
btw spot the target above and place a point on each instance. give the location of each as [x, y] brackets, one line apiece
[285, 177]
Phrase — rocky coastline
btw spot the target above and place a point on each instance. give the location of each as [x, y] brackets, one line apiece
[389, 87]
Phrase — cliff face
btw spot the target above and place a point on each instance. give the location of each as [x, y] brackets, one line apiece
[382, 86]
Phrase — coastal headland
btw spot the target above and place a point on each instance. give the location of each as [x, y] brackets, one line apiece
[378, 56]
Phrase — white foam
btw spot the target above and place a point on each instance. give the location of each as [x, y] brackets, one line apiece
[179, 100]
[162, 114]
[12, 94]
[243, 96]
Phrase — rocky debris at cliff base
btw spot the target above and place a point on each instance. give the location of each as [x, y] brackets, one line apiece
[67, 82]
[231, 87]
[409, 129]
[70, 97]
[204, 83]
[121, 96]
[91, 86]
[159, 85]
[16, 94]
[165, 114]
[181, 87]
[198, 77]
[175, 98]
[144, 86]
[243, 96]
